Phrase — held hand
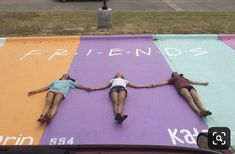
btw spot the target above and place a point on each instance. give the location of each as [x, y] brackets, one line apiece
[90, 89]
[31, 92]
[154, 85]
[149, 86]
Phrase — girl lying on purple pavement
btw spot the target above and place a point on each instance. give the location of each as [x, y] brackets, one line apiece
[118, 93]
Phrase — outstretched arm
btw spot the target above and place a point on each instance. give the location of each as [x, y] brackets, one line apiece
[198, 83]
[79, 86]
[138, 86]
[162, 83]
[38, 91]
[107, 85]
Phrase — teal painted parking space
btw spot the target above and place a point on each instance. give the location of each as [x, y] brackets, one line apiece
[205, 58]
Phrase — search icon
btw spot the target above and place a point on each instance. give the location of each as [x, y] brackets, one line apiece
[219, 138]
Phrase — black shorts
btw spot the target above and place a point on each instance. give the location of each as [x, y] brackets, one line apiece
[190, 88]
[117, 89]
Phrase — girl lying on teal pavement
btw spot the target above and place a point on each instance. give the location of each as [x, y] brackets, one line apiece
[184, 88]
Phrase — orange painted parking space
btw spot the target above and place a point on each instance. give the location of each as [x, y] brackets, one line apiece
[27, 64]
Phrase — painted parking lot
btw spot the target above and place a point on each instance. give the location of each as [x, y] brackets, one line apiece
[157, 116]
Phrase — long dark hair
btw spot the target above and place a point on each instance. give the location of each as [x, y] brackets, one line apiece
[122, 76]
[70, 79]
[172, 74]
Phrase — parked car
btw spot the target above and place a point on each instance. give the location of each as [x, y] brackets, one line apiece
[67, 0]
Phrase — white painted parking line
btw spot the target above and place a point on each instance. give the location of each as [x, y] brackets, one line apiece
[173, 6]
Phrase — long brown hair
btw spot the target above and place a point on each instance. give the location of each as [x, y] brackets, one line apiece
[122, 76]
[69, 78]
[172, 74]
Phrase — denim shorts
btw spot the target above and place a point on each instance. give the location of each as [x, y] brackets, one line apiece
[117, 89]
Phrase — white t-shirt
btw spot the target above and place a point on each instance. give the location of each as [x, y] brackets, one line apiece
[119, 82]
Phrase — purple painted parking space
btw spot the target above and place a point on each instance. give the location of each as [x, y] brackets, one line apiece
[157, 116]
[228, 39]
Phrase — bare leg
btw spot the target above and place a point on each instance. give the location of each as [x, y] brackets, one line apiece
[58, 98]
[49, 101]
[114, 98]
[121, 98]
[203, 111]
[185, 93]
[197, 100]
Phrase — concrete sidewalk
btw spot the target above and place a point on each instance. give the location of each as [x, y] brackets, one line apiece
[118, 5]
